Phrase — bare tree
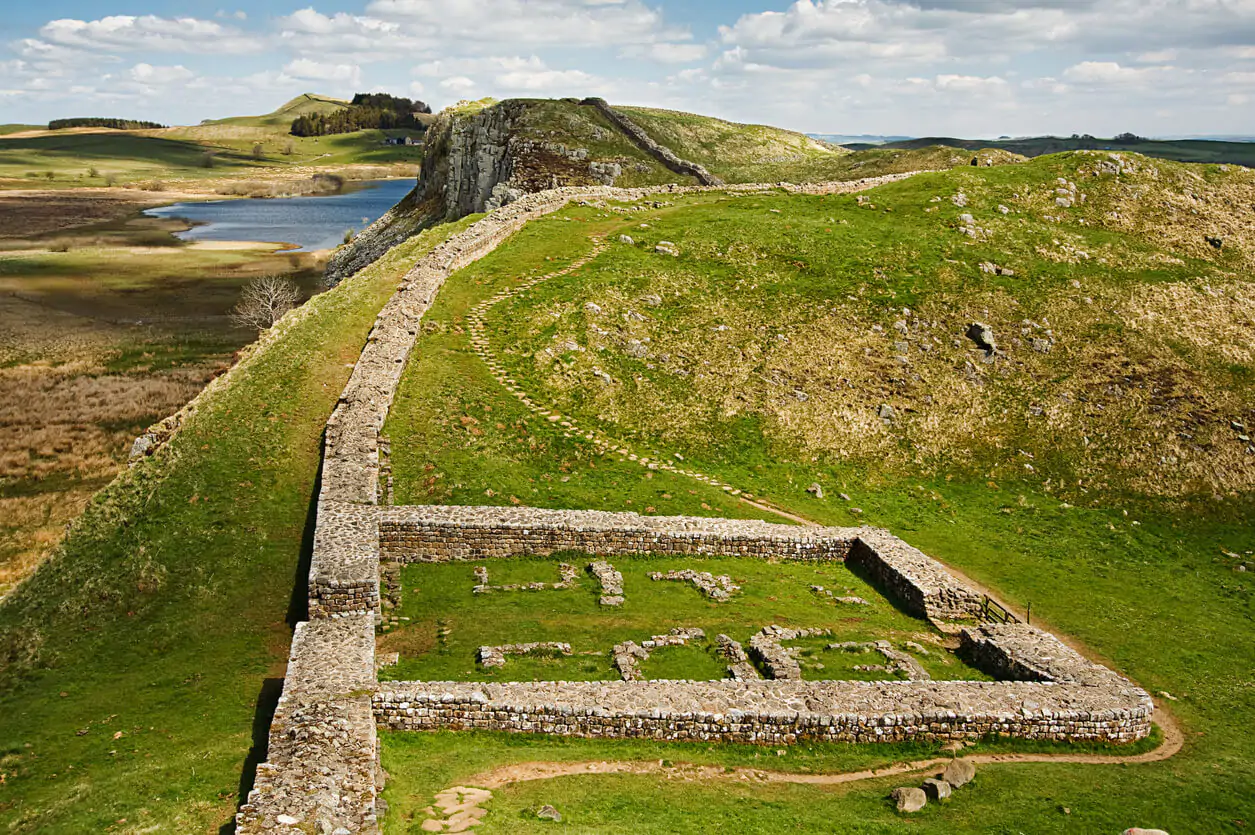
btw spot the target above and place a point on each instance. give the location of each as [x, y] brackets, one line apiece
[264, 301]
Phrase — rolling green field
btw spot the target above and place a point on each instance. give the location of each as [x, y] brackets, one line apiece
[1139, 560]
[237, 147]
[446, 623]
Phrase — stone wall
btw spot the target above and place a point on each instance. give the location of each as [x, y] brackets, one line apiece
[320, 770]
[772, 712]
[439, 534]
[917, 580]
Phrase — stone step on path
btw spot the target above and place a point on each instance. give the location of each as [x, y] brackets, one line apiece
[482, 346]
[462, 808]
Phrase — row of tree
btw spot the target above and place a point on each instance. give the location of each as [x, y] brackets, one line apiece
[368, 111]
[97, 122]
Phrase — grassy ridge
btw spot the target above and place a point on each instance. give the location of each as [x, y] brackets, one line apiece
[1178, 150]
[132, 664]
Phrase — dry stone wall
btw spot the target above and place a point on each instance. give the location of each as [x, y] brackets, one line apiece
[441, 534]
[771, 712]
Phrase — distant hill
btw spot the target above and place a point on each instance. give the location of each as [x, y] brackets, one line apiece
[245, 145]
[861, 138]
[1180, 150]
[303, 105]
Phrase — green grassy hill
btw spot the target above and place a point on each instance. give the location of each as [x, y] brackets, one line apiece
[246, 146]
[138, 664]
[282, 117]
[1180, 150]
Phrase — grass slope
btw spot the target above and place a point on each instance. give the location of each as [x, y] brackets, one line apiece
[132, 664]
[735, 152]
[1179, 150]
[1139, 560]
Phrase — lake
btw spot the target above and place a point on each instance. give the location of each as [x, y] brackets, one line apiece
[316, 222]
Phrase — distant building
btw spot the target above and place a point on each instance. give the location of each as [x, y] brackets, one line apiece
[400, 140]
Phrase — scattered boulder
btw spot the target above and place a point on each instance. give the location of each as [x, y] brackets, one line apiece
[592, 307]
[626, 239]
[909, 799]
[1134, 830]
[548, 813]
[959, 773]
[937, 789]
[653, 299]
[983, 336]
[886, 413]
[635, 348]
[667, 248]
[815, 490]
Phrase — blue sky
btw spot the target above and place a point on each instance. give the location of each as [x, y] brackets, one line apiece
[918, 67]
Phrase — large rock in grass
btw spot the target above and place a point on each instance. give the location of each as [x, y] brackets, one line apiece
[983, 336]
[909, 799]
[937, 789]
[959, 773]
[1134, 830]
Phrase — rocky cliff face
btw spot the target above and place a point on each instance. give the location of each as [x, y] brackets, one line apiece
[479, 159]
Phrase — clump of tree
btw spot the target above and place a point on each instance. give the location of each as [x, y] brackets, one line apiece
[1128, 139]
[264, 301]
[94, 122]
[368, 111]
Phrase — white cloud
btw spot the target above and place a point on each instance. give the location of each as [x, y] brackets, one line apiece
[458, 84]
[1109, 72]
[533, 22]
[127, 33]
[156, 76]
[669, 53]
[305, 69]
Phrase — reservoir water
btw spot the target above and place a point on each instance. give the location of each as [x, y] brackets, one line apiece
[317, 222]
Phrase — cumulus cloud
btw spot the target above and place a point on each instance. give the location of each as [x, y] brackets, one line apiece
[305, 69]
[534, 22]
[159, 76]
[128, 33]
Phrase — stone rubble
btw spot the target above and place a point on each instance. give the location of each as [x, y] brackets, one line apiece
[780, 661]
[897, 663]
[611, 582]
[740, 668]
[719, 588]
[628, 655]
[495, 656]
[568, 573]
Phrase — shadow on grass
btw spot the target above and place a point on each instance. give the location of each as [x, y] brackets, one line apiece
[267, 702]
[272, 688]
